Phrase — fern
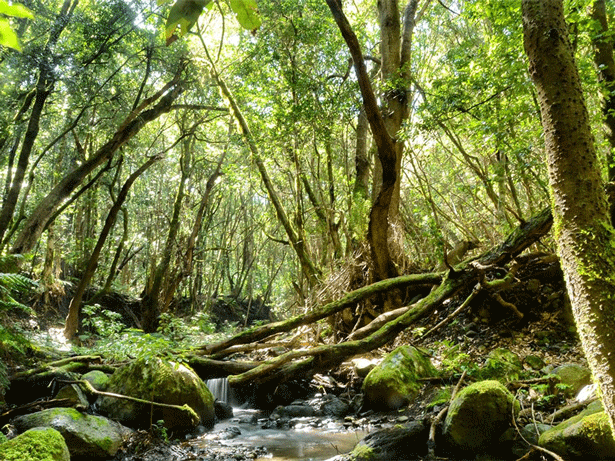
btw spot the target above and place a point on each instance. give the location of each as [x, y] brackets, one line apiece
[12, 285]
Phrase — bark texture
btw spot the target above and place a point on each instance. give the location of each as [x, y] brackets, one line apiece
[585, 237]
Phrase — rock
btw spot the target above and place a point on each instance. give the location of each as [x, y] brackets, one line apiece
[394, 383]
[28, 389]
[502, 364]
[478, 416]
[587, 393]
[74, 393]
[534, 362]
[97, 379]
[399, 442]
[295, 411]
[85, 435]
[574, 375]
[223, 410]
[162, 382]
[333, 406]
[37, 444]
[585, 437]
[363, 366]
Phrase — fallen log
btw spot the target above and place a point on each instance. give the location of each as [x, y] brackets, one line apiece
[258, 333]
[304, 363]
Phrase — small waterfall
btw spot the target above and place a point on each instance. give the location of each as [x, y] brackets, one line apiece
[219, 388]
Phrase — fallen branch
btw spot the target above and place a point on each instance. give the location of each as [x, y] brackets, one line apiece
[258, 333]
[185, 409]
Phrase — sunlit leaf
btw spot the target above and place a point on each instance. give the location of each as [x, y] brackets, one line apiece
[8, 38]
[184, 14]
[16, 10]
[247, 13]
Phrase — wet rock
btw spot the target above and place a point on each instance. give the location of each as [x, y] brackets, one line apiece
[294, 411]
[399, 442]
[574, 375]
[85, 435]
[163, 382]
[37, 444]
[223, 410]
[478, 416]
[395, 382]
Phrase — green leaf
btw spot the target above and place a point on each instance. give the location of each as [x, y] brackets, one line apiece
[15, 10]
[8, 38]
[184, 14]
[247, 13]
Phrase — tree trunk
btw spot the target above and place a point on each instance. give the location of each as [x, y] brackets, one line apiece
[584, 234]
[154, 292]
[44, 211]
[72, 320]
[44, 87]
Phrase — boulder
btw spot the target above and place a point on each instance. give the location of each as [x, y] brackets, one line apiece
[73, 393]
[395, 382]
[85, 435]
[97, 379]
[163, 382]
[399, 442]
[574, 375]
[585, 437]
[478, 416]
[37, 444]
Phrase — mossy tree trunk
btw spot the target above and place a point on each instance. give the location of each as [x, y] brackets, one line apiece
[585, 236]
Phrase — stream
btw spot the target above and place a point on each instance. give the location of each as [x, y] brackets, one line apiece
[305, 438]
[301, 442]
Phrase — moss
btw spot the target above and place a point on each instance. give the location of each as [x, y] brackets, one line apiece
[363, 453]
[35, 445]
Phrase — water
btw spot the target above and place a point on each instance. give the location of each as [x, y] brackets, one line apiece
[219, 388]
[303, 442]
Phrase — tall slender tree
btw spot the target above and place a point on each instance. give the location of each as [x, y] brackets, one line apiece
[585, 236]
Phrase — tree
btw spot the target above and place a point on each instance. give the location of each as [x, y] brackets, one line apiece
[585, 236]
[8, 37]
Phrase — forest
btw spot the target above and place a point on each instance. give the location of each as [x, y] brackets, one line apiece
[210, 181]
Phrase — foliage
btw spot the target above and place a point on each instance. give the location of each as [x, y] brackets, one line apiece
[185, 13]
[8, 37]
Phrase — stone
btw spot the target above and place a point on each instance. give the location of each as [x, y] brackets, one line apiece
[363, 366]
[502, 364]
[37, 444]
[399, 442]
[585, 437]
[534, 362]
[395, 382]
[478, 416]
[163, 382]
[73, 393]
[97, 379]
[85, 435]
[574, 375]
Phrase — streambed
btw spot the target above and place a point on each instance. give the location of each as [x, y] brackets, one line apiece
[310, 438]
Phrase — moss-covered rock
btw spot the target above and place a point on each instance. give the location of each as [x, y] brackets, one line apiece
[73, 393]
[97, 379]
[86, 435]
[38, 444]
[162, 382]
[574, 376]
[395, 382]
[585, 437]
[400, 442]
[478, 416]
[502, 364]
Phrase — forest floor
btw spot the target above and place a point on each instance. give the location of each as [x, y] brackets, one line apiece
[467, 340]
